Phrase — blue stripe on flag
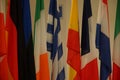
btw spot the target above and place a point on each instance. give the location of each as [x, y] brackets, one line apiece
[26, 20]
[103, 45]
[54, 47]
[60, 51]
[85, 44]
[50, 29]
[98, 35]
[61, 75]
[49, 46]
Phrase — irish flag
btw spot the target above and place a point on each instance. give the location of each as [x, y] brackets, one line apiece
[40, 49]
[116, 53]
[73, 43]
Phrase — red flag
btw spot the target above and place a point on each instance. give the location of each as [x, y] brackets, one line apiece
[3, 49]
[12, 46]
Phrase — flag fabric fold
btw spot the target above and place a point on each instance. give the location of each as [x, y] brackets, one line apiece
[3, 44]
[27, 43]
[40, 49]
[88, 55]
[116, 51]
[2, 29]
[20, 46]
[103, 40]
[12, 43]
[54, 42]
[73, 43]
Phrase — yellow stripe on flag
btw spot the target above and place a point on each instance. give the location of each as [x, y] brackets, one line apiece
[74, 16]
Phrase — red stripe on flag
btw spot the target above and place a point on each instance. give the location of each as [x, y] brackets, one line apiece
[3, 68]
[105, 1]
[3, 49]
[73, 40]
[73, 58]
[116, 72]
[12, 45]
[87, 73]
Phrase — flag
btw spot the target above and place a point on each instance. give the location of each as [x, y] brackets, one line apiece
[12, 42]
[3, 44]
[116, 53]
[19, 44]
[54, 42]
[25, 33]
[40, 49]
[2, 29]
[103, 40]
[73, 43]
[88, 56]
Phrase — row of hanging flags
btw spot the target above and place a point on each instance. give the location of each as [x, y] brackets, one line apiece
[25, 58]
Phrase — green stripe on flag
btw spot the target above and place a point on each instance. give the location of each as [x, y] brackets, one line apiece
[117, 24]
[39, 8]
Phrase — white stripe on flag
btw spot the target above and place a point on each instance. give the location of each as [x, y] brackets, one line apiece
[116, 57]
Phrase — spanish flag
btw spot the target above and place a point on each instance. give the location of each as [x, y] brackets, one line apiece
[73, 43]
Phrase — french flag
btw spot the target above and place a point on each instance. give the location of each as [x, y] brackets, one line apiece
[88, 55]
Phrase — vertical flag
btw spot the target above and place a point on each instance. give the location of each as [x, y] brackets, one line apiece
[102, 40]
[3, 47]
[28, 48]
[54, 43]
[88, 57]
[12, 42]
[73, 43]
[2, 29]
[40, 49]
[116, 53]
[20, 40]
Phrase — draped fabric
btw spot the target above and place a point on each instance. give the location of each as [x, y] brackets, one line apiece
[103, 40]
[54, 42]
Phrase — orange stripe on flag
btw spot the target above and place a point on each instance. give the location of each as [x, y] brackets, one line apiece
[43, 74]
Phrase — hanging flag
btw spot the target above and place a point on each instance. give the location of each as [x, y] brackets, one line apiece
[102, 40]
[116, 53]
[88, 56]
[27, 44]
[12, 42]
[3, 44]
[73, 43]
[2, 30]
[40, 49]
[54, 43]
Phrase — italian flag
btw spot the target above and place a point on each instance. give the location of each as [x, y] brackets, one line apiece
[40, 49]
[116, 53]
